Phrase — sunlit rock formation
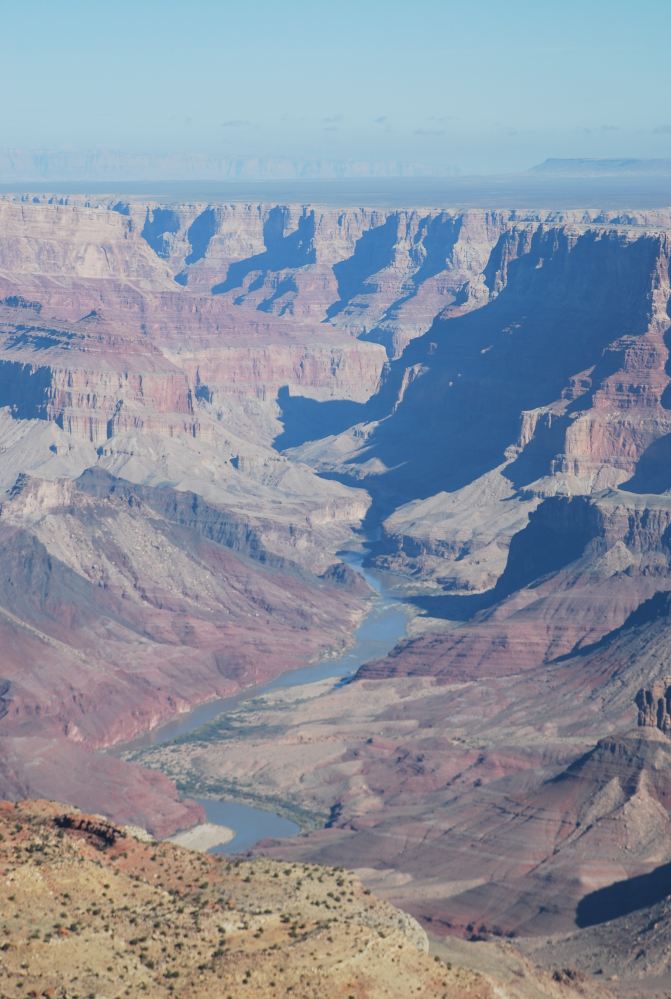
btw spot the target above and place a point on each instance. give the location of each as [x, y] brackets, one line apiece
[654, 705]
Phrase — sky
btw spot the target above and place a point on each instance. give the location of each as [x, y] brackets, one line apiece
[486, 86]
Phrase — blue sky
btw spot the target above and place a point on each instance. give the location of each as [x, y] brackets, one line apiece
[486, 85]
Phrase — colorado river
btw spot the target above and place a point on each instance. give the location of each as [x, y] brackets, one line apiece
[381, 629]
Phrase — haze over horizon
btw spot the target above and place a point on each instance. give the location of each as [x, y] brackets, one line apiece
[432, 88]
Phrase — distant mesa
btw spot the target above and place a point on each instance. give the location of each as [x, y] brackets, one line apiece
[603, 168]
[30, 165]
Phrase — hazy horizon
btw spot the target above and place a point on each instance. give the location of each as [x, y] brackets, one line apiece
[443, 87]
[509, 192]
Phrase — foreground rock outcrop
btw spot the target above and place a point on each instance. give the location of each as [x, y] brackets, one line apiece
[90, 908]
[96, 908]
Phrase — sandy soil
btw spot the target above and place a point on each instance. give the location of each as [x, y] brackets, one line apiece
[203, 837]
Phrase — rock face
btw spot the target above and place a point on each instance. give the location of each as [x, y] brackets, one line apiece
[654, 706]
[108, 590]
[631, 947]
[43, 766]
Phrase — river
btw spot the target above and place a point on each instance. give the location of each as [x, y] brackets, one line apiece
[382, 628]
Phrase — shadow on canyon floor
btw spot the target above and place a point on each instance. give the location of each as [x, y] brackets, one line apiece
[623, 897]
[309, 419]
[282, 251]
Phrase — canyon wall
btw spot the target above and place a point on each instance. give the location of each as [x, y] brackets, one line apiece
[485, 774]
[200, 405]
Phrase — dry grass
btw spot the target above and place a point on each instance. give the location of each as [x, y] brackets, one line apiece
[82, 917]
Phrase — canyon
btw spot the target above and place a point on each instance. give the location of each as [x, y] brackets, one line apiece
[202, 406]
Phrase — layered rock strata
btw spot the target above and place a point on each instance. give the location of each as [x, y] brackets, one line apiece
[495, 381]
